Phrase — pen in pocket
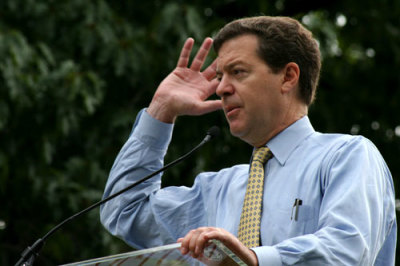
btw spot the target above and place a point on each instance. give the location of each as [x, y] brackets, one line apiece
[295, 208]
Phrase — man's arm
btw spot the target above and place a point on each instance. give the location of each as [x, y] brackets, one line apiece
[183, 92]
[141, 155]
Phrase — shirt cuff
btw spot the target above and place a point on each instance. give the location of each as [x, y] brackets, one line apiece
[152, 131]
[268, 255]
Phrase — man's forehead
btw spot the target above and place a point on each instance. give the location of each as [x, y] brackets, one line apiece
[221, 65]
[238, 49]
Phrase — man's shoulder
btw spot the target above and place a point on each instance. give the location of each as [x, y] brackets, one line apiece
[331, 145]
[339, 139]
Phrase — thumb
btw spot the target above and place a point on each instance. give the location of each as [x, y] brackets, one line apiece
[208, 107]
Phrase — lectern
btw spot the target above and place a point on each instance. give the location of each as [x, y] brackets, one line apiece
[214, 254]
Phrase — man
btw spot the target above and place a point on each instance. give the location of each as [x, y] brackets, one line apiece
[327, 199]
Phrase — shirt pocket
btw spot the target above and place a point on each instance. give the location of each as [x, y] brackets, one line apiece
[284, 224]
[306, 221]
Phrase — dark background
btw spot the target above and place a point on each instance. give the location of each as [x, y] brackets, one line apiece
[73, 75]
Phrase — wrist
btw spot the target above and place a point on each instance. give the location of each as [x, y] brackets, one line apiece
[161, 112]
[253, 260]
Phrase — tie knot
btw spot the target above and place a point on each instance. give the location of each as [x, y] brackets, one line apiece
[262, 154]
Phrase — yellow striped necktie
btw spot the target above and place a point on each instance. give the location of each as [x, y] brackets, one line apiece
[249, 226]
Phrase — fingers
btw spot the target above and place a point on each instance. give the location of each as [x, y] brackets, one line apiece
[194, 242]
[212, 87]
[210, 71]
[185, 53]
[209, 106]
[231, 242]
[201, 55]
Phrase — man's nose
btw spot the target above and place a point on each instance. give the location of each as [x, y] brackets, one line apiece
[224, 88]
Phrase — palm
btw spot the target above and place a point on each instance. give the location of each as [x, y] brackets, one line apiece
[189, 88]
[185, 90]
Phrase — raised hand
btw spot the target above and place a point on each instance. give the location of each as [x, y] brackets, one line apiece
[186, 89]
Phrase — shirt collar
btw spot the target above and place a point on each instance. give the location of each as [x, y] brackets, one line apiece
[283, 144]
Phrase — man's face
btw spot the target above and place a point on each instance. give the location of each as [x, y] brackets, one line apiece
[249, 90]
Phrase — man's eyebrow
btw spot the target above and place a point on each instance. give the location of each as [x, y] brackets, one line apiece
[231, 65]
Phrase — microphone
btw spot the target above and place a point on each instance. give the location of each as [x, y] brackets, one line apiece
[212, 133]
[29, 255]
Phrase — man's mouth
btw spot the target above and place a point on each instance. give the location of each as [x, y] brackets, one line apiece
[231, 110]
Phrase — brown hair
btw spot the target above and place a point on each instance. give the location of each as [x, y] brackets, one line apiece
[281, 40]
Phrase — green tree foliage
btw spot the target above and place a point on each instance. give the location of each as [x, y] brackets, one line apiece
[74, 73]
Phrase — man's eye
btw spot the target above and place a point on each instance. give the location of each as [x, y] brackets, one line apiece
[219, 77]
[237, 71]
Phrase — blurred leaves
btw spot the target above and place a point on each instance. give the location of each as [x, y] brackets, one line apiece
[73, 75]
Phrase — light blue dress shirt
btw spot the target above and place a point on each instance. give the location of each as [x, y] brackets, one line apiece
[346, 215]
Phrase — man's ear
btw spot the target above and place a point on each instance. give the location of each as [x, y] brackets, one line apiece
[291, 75]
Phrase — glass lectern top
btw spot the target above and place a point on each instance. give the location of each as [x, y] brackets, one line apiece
[214, 254]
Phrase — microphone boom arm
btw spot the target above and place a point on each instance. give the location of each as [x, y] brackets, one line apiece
[29, 255]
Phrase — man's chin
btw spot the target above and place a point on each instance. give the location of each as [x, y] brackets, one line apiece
[236, 131]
